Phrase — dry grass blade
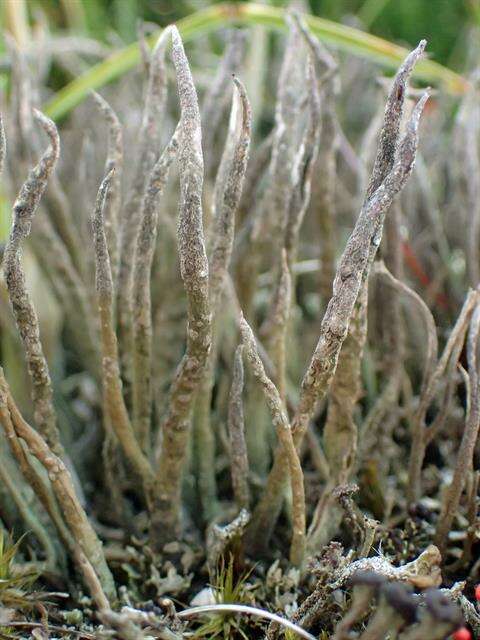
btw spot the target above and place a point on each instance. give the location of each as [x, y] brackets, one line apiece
[165, 521]
[25, 316]
[282, 426]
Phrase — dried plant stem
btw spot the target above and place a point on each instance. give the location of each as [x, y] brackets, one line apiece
[61, 481]
[236, 430]
[421, 435]
[115, 404]
[284, 433]
[469, 438]
[25, 316]
[165, 518]
[351, 274]
[142, 309]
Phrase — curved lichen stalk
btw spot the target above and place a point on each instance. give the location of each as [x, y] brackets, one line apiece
[350, 277]
[227, 194]
[142, 308]
[148, 149]
[25, 315]
[165, 518]
[114, 196]
[112, 385]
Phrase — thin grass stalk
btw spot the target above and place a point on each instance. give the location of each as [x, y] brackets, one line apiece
[165, 518]
[25, 316]
[351, 274]
[142, 308]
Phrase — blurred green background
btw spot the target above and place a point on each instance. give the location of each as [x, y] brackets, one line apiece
[445, 23]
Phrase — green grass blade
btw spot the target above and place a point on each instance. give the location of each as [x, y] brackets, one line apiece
[337, 35]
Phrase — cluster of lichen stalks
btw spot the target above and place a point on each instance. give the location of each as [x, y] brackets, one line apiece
[148, 453]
